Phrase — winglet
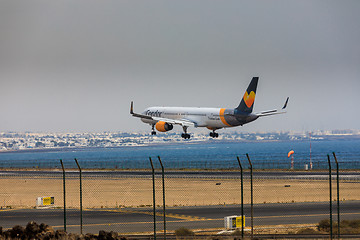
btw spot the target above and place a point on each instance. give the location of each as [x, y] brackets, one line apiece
[275, 111]
[138, 115]
[286, 102]
[132, 108]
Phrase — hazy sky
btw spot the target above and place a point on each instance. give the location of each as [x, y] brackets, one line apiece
[72, 66]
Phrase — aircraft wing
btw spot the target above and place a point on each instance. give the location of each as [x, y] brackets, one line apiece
[274, 111]
[182, 122]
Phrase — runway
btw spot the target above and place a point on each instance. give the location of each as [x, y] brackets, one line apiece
[139, 220]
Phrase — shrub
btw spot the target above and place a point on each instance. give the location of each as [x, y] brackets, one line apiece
[237, 232]
[184, 232]
[307, 231]
[346, 226]
[324, 225]
[349, 227]
[353, 223]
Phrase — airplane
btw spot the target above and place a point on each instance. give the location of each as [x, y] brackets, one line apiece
[164, 118]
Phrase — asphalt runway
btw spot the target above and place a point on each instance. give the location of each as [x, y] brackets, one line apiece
[138, 220]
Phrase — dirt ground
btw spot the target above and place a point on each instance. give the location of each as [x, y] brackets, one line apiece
[136, 192]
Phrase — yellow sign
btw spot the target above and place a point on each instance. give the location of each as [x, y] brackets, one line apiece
[236, 222]
[48, 201]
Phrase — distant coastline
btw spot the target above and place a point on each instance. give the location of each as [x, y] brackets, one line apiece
[175, 142]
[199, 155]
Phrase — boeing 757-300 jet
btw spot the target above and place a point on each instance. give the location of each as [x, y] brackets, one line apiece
[163, 118]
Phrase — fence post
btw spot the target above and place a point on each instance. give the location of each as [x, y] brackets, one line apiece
[242, 198]
[330, 190]
[64, 192]
[252, 197]
[338, 194]
[81, 210]
[154, 207]
[163, 185]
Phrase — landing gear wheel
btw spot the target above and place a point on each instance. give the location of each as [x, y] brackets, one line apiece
[153, 130]
[185, 136]
[214, 134]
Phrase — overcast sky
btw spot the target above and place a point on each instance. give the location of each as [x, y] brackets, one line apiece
[73, 66]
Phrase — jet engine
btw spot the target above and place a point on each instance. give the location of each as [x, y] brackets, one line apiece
[163, 126]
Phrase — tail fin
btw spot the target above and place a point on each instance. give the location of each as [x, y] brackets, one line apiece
[247, 102]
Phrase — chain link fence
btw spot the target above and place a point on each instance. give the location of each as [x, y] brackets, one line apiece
[117, 195]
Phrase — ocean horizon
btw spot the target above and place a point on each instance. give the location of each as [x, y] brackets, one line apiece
[209, 155]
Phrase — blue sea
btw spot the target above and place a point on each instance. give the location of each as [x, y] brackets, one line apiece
[214, 155]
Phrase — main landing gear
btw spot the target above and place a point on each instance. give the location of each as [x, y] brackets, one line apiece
[153, 130]
[213, 134]
[185, 135]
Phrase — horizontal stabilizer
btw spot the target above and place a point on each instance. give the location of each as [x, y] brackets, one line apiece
[274, 111]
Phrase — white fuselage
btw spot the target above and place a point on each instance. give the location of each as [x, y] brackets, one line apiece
[203, 117]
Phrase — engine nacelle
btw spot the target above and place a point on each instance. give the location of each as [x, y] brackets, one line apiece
[163, 126]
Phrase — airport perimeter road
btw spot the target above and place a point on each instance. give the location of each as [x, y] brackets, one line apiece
[205, 217]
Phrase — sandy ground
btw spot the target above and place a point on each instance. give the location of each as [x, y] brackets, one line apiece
[133, 192]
